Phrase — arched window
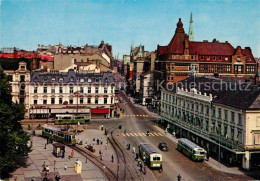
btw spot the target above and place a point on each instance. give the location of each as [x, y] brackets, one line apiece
[81, 80]
[53, 79]
[61, 79]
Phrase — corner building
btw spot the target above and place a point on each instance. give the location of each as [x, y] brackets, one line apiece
[216, 115]
[181, 56]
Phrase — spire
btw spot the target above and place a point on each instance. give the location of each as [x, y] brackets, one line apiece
[191, 33]
[179, 28]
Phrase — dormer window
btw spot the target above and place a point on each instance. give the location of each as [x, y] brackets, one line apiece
[180, 56]
[45, 79]
[61, 79]
[71, 79]
[226, 58]
[238, 58]
[53, 79]
[202, 57]
[192, 57]
[214, 58]
[106, 79]
[89, 79]
[219, 58]
[248, 59]
[81, 80]
[97, 80]
[208, 57]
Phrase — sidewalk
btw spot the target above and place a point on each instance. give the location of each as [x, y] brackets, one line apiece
[35, 159]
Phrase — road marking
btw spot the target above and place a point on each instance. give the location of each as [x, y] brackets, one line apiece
[160, 134]
[146, 115]
[127, 134]
[151, 134]
[156, 134]
[137, 115]
[136, 134]
[143, 134]
[123, 134]
[140, 134]
[131, 134]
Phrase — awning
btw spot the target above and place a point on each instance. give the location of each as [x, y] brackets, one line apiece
[99, 110]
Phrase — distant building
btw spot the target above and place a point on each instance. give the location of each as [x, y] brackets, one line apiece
[183, 57]
[216, 115]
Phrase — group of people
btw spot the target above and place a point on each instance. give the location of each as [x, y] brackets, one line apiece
[98, 141]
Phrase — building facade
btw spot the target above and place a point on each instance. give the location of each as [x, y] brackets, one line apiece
[71, 93]
[222, 117]
[183, 56]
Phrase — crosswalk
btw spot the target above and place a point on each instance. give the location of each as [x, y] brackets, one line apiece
[135, 115]
[141, 134]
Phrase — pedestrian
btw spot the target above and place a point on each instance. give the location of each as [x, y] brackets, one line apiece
[47, 141]
[100, 152]
[106, 146]
[97, 141]
[230, 161]
[62, 153]
[101, 157]
[33, 179]
[57, 178]
[101, 141]
[112, 158]
[65, 166]
[47, 169]
[107, 139]
[102, 127]
[93, 141]
[43, 167]
[72, 154]
[179, 177]
[133, 149]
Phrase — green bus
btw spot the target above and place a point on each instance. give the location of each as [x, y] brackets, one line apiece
[56, 134]
[150, 156]
[62, 119]
[191, 150]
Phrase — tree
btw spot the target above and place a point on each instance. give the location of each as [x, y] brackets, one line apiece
[13, 140]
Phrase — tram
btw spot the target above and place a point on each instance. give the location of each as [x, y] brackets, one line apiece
[191, 150]
[150, 156]
[71, 119]
[56, 134]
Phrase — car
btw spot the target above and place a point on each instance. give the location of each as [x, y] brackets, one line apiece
[163, 147]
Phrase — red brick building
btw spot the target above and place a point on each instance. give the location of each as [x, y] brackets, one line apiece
[181, 56]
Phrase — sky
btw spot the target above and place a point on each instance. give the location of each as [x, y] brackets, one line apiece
[27, 23]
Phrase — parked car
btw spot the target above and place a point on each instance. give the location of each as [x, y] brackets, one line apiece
[163, 147]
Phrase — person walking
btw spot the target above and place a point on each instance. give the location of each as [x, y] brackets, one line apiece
[106, 146]
[97, 141]
[133, 149]
[65, 166]
[101, 141]
[112, 158]
[72, 154]
[47, 169]
[43, 167]
[93, 141]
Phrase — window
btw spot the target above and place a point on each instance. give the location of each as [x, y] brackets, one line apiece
[213, 111]
[81, 100]
[60, 100]
[89, 79]
[226, 114]
[207, 110]
[61, 79]
[202, 108]
[96, 90]
[21, 100]
[238, 58]
[44, 101]
[202, 57]
[219, 58]
[248, 59]
[45, 79]
[105, 100]
[71, 90]
[53, 79]
[44, 89]
[60, 90]
[89, 100]
[71, 79]
[225, 131]
[232, 116]
[105, 90]
[192, 57]
[81, 90]
[232, 134]
[89, 89]
[96, 100]
[10, 78]
[197, 107]
[52, 100]
[112, 100]
[219, 112]
[35, 101]
[35, 90]
[214, 58]
[239, 119]
[81, 79]
[226, 58]
[71, 100]
[53, 90]
[22, 78]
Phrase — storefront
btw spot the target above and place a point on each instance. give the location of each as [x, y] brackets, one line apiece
[99, 113]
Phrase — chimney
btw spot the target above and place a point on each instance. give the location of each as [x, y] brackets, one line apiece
[226, 41]
[205, 40]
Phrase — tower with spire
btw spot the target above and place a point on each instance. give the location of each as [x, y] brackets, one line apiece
[191, 33]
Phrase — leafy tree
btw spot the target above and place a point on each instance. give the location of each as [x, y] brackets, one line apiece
[13, 140]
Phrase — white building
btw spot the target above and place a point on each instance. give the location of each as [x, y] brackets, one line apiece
[216, 115]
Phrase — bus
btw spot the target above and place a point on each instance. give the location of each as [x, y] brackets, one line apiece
[56, 134]
[191, 150]
[150, 156]
[71, 119]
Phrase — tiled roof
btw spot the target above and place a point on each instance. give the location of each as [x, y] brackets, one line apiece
[211, 48]
[231, 93]
[247, 52]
